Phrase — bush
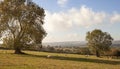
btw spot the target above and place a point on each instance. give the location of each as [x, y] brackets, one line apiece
[113, 52]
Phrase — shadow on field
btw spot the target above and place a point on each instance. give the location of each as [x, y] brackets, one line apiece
[78, 59]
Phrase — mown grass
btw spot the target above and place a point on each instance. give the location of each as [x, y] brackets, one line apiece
[39, 60]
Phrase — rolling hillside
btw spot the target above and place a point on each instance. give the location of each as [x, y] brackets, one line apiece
[39, 60]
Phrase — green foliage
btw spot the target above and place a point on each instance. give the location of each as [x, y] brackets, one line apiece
[99, 41]
[85, 51]
[21, 23]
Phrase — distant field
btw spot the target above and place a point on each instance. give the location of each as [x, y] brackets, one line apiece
[39, 60]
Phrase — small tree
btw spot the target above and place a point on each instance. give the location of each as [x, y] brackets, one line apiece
[99, 41]
[21, 22]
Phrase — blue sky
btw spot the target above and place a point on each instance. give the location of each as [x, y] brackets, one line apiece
[69, 20]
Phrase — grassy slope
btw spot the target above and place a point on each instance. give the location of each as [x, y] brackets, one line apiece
[38, 60]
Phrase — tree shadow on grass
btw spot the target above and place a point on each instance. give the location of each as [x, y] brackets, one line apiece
[78, 59]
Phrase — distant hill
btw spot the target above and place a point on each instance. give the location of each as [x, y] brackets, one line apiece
[67, 43]
[116, 43]
[76, 43]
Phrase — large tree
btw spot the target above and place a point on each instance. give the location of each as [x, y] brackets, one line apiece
[99, 41]
[21, 22]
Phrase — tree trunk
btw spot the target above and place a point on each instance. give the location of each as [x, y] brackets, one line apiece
[17, 47]
[18, 50]
[97, 53]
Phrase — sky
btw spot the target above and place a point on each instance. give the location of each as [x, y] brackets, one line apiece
[69, 20]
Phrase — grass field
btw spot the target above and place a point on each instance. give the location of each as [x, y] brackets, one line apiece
[39, 60]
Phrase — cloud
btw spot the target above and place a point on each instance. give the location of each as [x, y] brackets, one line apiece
[66, 20]
[62, 2]
[86, 16]
[57, 21]
[66, 37]
[74, 36]
[115, 18]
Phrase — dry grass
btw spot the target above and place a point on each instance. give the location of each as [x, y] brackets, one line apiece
[39, 60]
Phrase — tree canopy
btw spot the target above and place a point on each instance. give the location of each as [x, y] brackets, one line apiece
[99, 41]
[22, 23]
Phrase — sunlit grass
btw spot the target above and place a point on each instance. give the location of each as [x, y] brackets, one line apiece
[39, 60]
